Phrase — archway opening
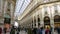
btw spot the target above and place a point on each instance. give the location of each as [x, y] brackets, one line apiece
[7, 21]
[38, 21]
[56, 20]
[47, 22]
[34, 21]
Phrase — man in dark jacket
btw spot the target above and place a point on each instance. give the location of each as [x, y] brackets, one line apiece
[18, 30]
[5, 30]
[0, 30]
[12, 30]
[35, 30]
[58, 30]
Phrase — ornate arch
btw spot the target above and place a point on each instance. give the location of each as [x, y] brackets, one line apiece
[56, 18]
[46, 20]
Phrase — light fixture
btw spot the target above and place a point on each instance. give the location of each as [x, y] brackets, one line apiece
[18, 18]
[16, 24]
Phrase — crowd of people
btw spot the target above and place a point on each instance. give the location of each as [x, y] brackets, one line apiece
[39, 30]
[45, 30]
[11, 30]
[57, 30]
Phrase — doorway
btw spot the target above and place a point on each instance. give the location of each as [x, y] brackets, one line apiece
[47, 22]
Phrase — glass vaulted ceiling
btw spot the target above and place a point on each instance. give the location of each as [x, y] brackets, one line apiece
[20, 6]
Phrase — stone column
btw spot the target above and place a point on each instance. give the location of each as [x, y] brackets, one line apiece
[36, 20]
[1, 11]
[41, 17]
[52, 18]
[1, 7]
[33, 21]
[5, 6]
[1, 14]
[5, 9]
[12, 13]
[52, 25]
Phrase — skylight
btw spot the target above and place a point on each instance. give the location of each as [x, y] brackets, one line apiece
[21, 6]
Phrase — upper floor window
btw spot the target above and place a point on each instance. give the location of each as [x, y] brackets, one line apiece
[38, 20]
[58, 8]
[55, 8]
[34, 21]
[45, 10]
[8, 6]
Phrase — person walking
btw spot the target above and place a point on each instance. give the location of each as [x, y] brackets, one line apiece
[58, 30]
[34, 30]
[47, 31]
[0, 30]
[4, 30]
[12, 30]
[18, 29]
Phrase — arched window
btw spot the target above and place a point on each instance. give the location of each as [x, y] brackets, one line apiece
[34, 21]
[56, 18]
[55, 7]
[38, 21]
[7, 18]
[46, 20]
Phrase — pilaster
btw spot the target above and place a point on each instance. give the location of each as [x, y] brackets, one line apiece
[33, 21]
[12, 12]
[36, 19]
[5, 6]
